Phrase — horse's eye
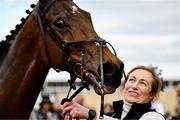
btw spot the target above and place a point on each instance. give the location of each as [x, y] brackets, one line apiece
[59, 23]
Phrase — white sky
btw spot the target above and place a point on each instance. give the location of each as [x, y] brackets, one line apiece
[142, 31]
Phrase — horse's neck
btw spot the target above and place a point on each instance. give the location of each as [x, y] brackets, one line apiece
[22, 74]
[2, 56]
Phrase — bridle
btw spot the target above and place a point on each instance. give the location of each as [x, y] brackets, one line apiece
[64, 45]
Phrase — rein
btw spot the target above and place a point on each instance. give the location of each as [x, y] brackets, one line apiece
[102, 78]
[63, 45]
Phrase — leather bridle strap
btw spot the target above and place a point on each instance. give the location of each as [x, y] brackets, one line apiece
[45, 26]
[44, 40]
[101, 54]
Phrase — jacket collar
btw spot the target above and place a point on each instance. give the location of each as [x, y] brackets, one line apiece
[135, 109]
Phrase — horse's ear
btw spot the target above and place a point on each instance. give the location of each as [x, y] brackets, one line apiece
[42, 3]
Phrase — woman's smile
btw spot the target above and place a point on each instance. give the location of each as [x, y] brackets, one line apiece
[133, 93]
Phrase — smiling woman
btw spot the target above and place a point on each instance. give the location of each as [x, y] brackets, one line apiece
[141, 88]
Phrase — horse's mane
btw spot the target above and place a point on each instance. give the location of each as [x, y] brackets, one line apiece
[5, 44]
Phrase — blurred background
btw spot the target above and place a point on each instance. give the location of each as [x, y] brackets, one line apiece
[142, 32]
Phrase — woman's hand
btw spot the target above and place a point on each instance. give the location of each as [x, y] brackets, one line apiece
[74, 110]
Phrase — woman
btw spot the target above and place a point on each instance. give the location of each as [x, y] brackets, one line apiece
[141, 88]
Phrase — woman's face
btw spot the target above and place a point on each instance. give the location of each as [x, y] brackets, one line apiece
[138, 87]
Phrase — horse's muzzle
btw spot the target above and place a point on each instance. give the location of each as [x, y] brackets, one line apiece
[112, 75]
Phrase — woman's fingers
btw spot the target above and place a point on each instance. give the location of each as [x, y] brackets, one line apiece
[74, 114]
[75, 110]
[67, 107]
[67, 116]
[67, 104]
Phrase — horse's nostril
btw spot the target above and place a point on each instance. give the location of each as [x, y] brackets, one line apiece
[112, 74]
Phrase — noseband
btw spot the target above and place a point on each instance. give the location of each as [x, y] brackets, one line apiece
[64, 45]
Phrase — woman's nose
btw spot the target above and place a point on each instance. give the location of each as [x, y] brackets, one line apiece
[135, 85]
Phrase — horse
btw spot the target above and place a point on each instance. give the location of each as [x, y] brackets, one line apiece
[56, 34]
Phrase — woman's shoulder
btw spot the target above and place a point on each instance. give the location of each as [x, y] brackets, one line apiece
[152, 115]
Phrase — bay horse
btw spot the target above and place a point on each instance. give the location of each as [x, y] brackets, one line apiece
[56, 34]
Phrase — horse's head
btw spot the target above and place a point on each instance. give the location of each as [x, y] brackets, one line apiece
[71, 43]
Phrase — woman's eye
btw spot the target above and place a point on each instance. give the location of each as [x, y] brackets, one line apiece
[143, 83]
[132, 80]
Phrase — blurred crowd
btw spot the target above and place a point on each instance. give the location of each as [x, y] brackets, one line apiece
[49, 110]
